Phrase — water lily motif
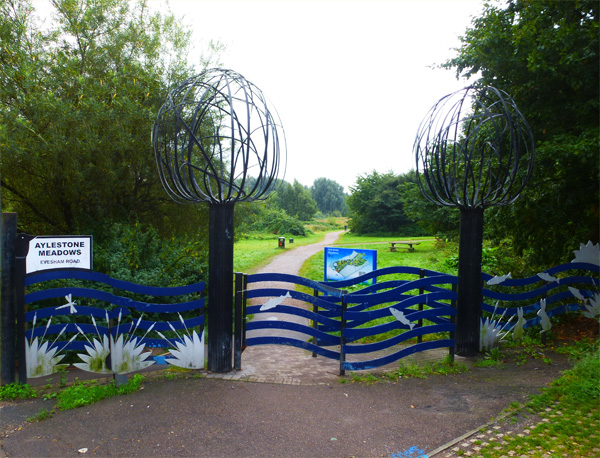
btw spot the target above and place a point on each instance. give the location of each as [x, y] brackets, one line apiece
[41, 358]
[491, 331]
[95, 359]
[41, 361]
[127, 356]
[190, 349]
[97, 352]
[592, 307]
[589, 253]
[189, 353]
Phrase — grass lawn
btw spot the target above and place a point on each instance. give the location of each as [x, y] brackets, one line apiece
[251, 254]
[426, 255]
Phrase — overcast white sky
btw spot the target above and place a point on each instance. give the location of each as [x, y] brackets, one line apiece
[350, 79]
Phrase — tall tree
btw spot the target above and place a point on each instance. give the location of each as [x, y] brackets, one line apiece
[296, 200]
[375, 205]
[329, 196]
[544, 54]
[77, 105]
[431, 218]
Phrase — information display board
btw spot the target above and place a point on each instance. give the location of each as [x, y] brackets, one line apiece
[59, 252]
[346, 263]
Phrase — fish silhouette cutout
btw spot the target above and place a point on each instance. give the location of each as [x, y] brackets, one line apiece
[401, 317]
[498, 279]
[274, 302]
[547, 277]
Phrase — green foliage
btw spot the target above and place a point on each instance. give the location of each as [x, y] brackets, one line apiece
[78, 98]
[82, 394]
[138, 254]
[412, 369]
[277, 221]
[296, 200]
[544, 54]
[433, 219]
[376, 207]
[14, 391]
[329, 196]
[493, 358]
[41, 415]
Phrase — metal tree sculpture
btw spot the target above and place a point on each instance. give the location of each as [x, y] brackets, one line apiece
[473, 150]
[217, 141]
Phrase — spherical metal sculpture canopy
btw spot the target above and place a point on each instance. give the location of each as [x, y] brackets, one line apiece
[474, 149]
[216, 140]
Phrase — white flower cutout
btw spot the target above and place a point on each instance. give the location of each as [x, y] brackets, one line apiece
[126, 355]
[592, 307]
[95, 359]
[41, 358]
[589, 253]
[189, 353]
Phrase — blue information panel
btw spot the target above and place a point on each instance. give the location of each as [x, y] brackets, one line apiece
[346, 263]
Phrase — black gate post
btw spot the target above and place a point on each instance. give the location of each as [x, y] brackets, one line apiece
[421, 291]
[469, 294]
[239, 321]
[220, 288]
[8, 349]
[21, 250]
[342, 336]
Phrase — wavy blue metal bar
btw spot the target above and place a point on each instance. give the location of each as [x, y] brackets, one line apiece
[378, 362]
[253, 341]
[382, 345]
[119, 284]
[290, 326]
[113, 299]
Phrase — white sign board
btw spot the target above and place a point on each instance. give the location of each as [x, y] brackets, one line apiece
[59, 252]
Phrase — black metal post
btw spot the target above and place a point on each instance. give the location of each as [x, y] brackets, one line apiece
[421, 291]
[8, 342]
[315, 324]
[342, 336]
[451, 350]
[220, 288]
[239, 318]
[21, 250]
[469, 295]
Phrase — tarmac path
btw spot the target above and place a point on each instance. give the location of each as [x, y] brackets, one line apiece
[301, 408]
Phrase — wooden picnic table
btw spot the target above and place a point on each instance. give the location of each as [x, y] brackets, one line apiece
[410, 245]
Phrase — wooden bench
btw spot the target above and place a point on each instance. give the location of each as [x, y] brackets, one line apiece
[410, 245]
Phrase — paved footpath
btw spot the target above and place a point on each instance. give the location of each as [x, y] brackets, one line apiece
[301, 408]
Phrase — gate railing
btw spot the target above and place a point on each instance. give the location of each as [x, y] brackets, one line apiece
[365, 326]
[110, 322]
[363, 323]
[346, 325]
